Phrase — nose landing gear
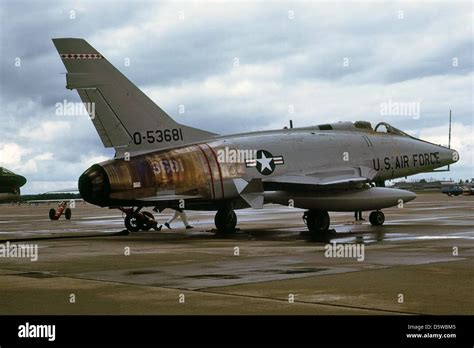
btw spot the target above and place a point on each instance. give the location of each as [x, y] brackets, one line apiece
[377, 218]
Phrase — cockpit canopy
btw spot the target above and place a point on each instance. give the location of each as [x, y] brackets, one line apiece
[363, 126]
[384, 127]
[4, 171]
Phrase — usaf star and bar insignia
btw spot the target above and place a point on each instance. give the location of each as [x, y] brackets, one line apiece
[265, 162]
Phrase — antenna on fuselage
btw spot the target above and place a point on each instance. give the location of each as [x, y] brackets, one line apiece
[449, 138]
[449, 145]
[449, 141]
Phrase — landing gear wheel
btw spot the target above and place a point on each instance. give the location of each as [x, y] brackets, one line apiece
[68, 213]
[52, 213]
[377, 218]
[148, 221]
[133, 221]
[318, 221]
[225, 221]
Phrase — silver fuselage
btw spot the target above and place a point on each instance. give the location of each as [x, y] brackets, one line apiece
[197, 169]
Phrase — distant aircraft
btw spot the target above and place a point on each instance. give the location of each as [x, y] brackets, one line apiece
[10, 184]
[161, 163]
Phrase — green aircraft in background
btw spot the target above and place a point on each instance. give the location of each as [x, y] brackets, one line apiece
[10, 184]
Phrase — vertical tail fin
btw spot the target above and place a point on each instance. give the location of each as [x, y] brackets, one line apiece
[124, 117]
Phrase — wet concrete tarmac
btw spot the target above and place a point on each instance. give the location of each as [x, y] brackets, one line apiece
[420, 261]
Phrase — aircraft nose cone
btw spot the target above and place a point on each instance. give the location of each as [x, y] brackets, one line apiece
[94, 185]
[454, 156]
[448, 156]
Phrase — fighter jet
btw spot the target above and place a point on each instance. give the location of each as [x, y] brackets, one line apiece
[162, 163]
[10, 184]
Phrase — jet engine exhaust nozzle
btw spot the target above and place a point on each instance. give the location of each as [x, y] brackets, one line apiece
[94, 185]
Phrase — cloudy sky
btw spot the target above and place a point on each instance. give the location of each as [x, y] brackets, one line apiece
[236, 67]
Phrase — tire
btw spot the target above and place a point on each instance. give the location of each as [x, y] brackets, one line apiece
[308, 216]
[148, 221]
[318, 221]
[225, 221]
[371, 219]
[377, 218]
[68, 214]
[133, 222]
[52, 214]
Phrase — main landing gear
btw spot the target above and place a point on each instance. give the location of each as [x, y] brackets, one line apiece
[225, 219]
[318, 221]
[136, 220]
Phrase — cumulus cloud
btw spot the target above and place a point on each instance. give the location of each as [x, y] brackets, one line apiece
[11, 154]
[236, 67]
[31, 165]
[45, 131]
